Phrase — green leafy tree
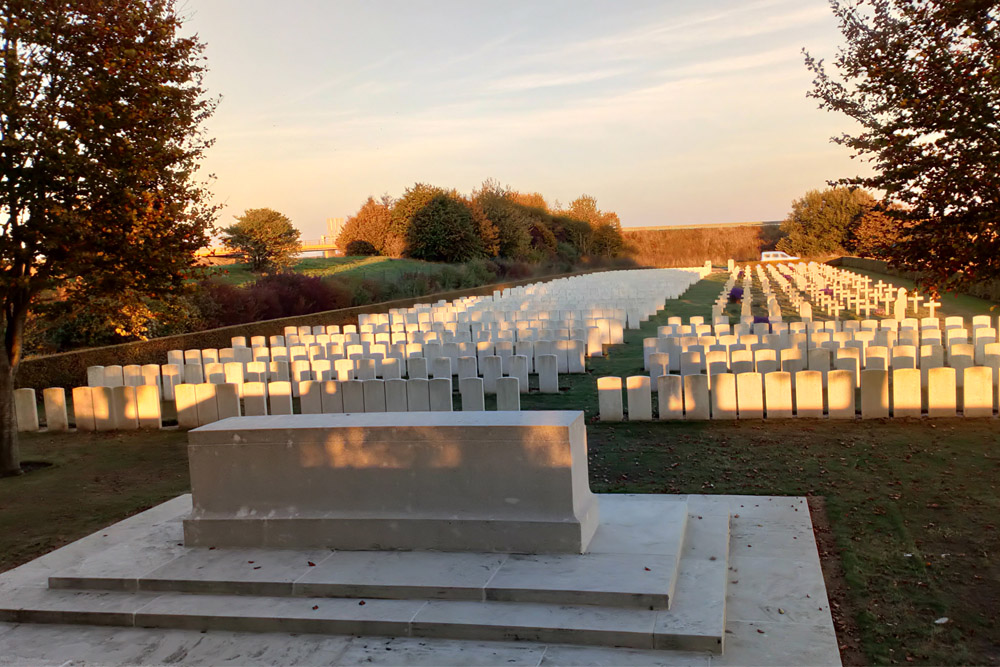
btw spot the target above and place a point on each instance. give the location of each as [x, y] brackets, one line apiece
[373, 224]
[412, 202]
[265, 238]
[444, 230]
[511, 221]
[922, 80]
[822, 222]
[101, 110]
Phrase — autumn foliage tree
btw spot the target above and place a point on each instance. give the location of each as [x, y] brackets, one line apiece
[922, 80]
[101, 113]
[373, 224]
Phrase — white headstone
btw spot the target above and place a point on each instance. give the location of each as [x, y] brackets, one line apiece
[56, 415]
[609, 399]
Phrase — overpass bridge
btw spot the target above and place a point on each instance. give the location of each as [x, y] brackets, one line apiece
[324, 244]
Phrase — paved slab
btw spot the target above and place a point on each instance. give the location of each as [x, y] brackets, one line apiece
[773, 562]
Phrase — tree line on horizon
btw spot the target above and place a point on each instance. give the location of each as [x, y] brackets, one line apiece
[439, 225]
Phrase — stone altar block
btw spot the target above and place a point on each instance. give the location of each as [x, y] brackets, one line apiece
[447, 481]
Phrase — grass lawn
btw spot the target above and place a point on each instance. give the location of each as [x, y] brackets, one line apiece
[95, 480]
[912, 506]
[381, 268]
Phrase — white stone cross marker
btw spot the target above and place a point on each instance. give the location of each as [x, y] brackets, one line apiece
[932, 304]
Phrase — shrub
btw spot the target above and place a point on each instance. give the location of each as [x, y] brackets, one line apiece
[360, 248]
[513, 269]
[288, 294]
[220, 304]
[443, 230]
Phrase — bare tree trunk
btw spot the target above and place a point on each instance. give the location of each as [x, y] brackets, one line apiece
[10, 455]
[15, 314]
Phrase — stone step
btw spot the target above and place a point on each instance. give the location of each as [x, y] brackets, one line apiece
[632, 563]
[612, 580]
[696, 620]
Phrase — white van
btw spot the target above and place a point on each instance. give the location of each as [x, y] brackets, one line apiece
[776, 256]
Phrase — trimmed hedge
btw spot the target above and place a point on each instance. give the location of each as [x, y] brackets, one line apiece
[69, 369]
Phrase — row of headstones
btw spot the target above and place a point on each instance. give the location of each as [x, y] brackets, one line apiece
[779, 395]
[886, 337]
[130, 408]
[456, 333]
[491, 367]
[671, 341]
[202, 404]
[820, 339]
[884, 345]
[94, 408]
[765, 360]
[468, 316]
[588, 341]
[641, 293]
[721, 326]
[378, 327]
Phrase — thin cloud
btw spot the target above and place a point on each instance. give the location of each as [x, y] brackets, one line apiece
[675, 35]
[552, 80]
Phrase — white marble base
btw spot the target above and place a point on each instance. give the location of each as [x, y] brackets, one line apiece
[772, 563]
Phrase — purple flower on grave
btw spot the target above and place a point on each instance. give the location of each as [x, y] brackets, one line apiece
[761, 319]
[828, 291]
[735, 294]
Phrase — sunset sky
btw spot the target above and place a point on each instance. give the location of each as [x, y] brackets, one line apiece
[674, 112]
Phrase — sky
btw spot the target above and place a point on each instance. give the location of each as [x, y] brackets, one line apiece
[668, 112]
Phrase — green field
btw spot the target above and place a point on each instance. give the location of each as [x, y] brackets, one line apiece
[380, 268]
[911, 504]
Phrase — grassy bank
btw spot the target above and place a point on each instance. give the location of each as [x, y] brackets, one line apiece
[377, 268]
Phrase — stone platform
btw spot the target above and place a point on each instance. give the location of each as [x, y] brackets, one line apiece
[659, 578]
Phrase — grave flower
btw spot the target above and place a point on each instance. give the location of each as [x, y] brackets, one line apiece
[735, 294]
